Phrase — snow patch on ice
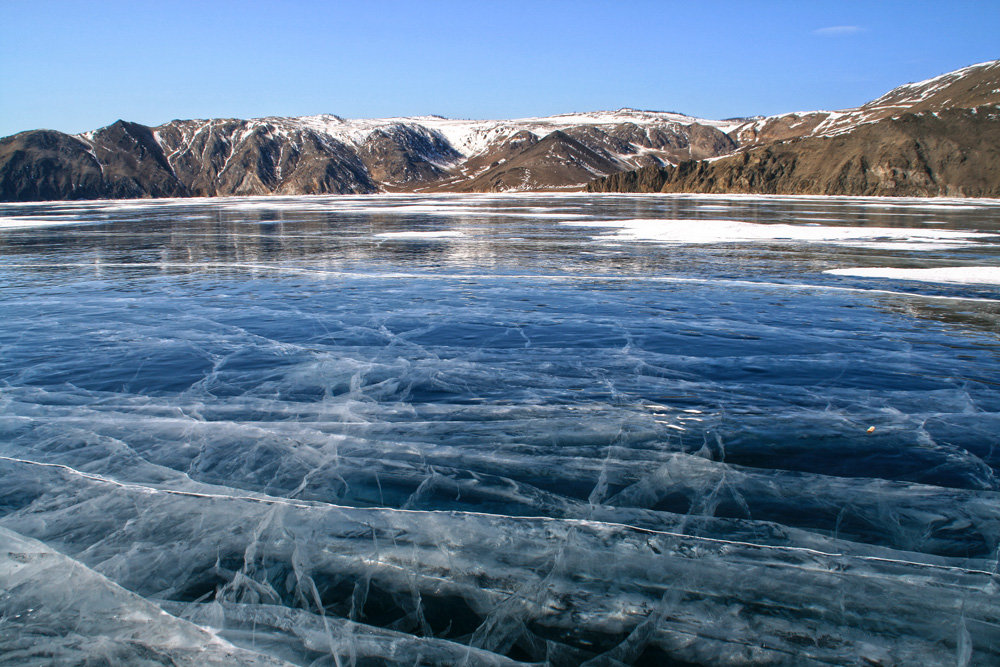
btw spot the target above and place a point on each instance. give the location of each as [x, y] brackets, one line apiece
[734, 231]
[30, 221]
[408, 235]
[979, 275]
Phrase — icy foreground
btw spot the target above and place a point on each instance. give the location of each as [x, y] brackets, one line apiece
[497, 431]
[57, 609]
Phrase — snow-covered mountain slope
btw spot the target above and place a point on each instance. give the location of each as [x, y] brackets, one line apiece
[434, 152]
[966, 88]
[330, 154]
[473, 137]
[951, 153]
[939, 137]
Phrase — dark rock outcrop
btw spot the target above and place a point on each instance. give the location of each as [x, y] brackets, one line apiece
[401, 154]
[937, 137]
[966, 88]
[556, 161]
[947, 153]
[44, 164]
[122, 161]
[238, 157]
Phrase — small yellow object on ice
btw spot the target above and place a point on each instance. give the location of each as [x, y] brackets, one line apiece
[871, 429]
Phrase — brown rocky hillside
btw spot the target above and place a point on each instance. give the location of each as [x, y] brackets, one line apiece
[939, 137]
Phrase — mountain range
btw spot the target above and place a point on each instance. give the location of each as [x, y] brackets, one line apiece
[939, 137]
[936, 137]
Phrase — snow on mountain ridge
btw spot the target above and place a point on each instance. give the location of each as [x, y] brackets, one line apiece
[966, 87]
[326, 152]
[472, 137]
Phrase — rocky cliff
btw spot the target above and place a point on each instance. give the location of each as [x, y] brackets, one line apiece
[939, 137]
[949, 153]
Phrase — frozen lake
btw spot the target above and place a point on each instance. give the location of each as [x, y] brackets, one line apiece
[500, 429]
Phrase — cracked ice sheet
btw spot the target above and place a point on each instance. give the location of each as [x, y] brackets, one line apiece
[377, 461]
[522, 454]
[53, 610]
[494, 580]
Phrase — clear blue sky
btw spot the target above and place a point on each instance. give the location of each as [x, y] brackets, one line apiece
[74, 66]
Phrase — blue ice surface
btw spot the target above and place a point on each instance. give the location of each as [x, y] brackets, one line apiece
[288, 434]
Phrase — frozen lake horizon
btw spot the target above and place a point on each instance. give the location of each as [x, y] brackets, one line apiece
[500, 429]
